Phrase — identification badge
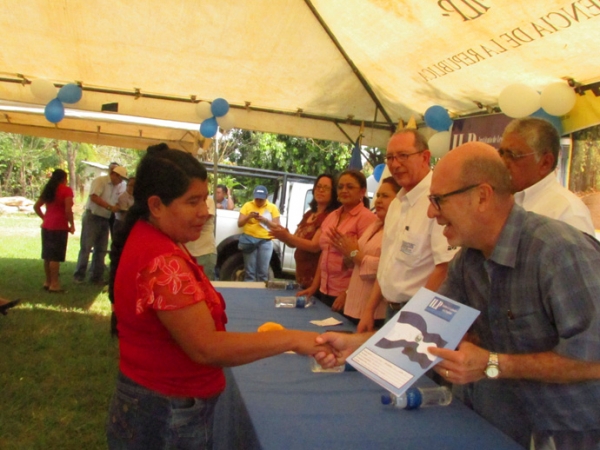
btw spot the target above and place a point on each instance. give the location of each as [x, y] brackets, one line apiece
[407, 248]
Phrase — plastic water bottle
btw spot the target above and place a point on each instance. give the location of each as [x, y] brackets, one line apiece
[415, 398]
[317, 368]
[294, 302]
[282, 285]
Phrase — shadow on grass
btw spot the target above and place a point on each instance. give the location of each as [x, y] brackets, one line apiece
[24, 278]
[57, 361]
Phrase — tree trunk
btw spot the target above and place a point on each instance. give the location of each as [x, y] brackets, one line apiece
[71, 157]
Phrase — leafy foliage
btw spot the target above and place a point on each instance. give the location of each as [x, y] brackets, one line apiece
[26, 162]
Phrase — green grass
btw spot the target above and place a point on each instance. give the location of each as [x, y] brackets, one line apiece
[57, 360]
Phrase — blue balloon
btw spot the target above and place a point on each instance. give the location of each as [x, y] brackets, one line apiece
[209, 127]
[219, 107]
[437, 117]
[70, 93]
[554, 120]
[378, 171]
[54, 111]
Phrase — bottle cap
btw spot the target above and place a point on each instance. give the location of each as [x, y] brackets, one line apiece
[386, 399]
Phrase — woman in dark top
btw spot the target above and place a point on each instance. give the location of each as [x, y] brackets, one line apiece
[306, 237]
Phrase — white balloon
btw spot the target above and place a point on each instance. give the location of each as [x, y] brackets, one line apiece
[558, 99]
[427, 132]
[43, 90]
[439, 144]
[519, 100]
[226, 121]
[203, 110]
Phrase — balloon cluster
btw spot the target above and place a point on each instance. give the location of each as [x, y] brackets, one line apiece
[214, 115]
[46, 91]
[438, 119]
[556, 99]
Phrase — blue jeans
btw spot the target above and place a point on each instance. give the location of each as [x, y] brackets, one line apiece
[257, 256]
[141, 419]
[94, 234]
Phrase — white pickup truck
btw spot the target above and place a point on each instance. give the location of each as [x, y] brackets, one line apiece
[292, 196]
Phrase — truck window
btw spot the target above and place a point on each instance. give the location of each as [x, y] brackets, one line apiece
[307, 199]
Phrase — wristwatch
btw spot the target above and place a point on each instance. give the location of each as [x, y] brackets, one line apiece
[492, 369]
[353, 253]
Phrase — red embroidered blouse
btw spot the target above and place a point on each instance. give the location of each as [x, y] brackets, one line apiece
[151, 266]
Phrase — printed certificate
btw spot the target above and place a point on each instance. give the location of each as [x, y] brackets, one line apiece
[396, 356]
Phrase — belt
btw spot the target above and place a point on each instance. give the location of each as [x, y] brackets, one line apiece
[395, 306]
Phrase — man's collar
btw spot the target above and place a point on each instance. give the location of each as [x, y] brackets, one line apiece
[505, 251]
[422, 188]
[536, 188]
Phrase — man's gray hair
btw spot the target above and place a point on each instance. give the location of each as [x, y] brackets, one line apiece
[539, 134]
[420, 141]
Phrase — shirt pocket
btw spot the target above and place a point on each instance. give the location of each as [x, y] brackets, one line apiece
[412, 248]
[532, 331]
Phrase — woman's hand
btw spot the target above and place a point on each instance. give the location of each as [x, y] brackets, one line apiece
[343, 243]
[281, 233]
[308, 292]
[340, 301]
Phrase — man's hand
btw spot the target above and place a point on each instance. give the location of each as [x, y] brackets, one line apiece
[461, 366]
[342, 346]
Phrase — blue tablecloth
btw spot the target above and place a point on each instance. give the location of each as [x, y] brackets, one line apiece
[278, 403]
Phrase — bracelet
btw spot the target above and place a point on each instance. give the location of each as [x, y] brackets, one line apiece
[109, 208]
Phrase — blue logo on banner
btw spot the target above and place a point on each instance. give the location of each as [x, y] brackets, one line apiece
[442, 309]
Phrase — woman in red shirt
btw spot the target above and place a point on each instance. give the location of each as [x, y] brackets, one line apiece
[57, 222]
[170, 319]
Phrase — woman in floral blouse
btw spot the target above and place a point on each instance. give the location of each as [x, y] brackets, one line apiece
[171, 321]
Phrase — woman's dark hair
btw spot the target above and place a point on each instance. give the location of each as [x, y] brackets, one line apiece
[162, 172]
[333, 201]
[392, 182]
[360, 179]
[49, 192]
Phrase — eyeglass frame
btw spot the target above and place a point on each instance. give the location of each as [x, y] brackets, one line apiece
[435, 199]
[322, 187]
[400, 157]
[512, 155]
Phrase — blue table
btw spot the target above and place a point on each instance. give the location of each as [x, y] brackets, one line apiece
[278, 403]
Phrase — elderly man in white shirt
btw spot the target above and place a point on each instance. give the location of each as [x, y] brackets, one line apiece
[530, 149]
[414, 251]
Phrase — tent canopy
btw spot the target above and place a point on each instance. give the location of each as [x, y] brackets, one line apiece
[314, 68]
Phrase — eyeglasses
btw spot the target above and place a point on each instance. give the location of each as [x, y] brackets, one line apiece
[322, 187]
[436, 199]
[350, 187]
[503, 152]
[400, 157]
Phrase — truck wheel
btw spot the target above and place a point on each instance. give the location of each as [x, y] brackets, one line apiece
[233, 268]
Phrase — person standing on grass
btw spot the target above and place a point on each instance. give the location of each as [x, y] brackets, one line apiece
[95, 223]
[57, 222]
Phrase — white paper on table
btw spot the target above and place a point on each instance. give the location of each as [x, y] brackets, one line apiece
[396, 356]
[326, 322]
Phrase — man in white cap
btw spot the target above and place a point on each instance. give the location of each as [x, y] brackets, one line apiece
[95, 225]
